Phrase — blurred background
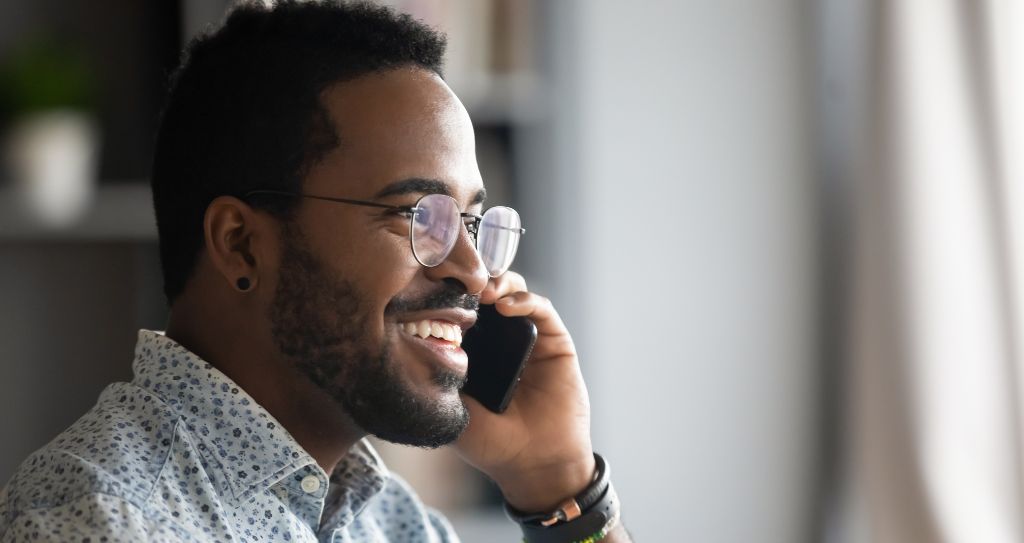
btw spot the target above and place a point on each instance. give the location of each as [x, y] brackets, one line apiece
[786, 237]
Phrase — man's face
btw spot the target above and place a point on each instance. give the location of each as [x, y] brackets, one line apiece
[349, 288]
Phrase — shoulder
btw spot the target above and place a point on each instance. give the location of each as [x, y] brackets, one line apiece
[114, 451]
[95, 517]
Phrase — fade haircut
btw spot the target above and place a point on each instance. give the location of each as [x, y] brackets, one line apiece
[244, 109]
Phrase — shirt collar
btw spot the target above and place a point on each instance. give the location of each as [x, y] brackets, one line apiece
[252, 449]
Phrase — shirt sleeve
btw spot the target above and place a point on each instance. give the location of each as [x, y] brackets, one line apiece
[93, 518]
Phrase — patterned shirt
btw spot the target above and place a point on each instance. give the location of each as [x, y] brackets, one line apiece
[183, 454]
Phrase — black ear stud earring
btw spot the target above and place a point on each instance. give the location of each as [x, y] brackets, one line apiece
[243, 284]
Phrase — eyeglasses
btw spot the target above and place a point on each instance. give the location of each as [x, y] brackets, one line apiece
[434, 228]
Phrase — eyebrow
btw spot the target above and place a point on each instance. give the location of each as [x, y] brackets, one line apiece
[419, 185]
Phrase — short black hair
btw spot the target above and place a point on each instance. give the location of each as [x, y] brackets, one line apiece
[244, 110]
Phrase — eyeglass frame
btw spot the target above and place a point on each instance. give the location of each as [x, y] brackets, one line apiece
[472, 227]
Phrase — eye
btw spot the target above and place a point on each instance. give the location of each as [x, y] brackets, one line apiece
[472, 225]
[423, 215]
[402, 211]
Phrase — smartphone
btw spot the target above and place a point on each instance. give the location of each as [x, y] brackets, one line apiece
[497, 347]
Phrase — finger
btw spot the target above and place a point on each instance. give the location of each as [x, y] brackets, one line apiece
[503, 284]
[553, 339]
[535, 307]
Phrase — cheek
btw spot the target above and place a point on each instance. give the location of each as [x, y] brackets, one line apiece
[374, 250]
[381, 274]
[376, 259]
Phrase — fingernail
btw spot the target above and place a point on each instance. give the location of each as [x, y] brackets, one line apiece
[506, 301]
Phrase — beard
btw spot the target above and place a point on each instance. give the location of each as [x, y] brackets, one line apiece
[321, 324]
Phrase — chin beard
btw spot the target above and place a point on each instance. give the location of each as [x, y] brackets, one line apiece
[319, 324]
[377, 399]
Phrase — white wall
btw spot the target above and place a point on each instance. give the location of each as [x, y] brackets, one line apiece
[675, 195]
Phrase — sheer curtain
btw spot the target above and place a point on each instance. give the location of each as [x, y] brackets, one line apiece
[929, 150]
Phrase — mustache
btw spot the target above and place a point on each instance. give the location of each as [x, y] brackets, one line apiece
[450, 296]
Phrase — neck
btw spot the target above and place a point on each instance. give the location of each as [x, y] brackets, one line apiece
[251, 360]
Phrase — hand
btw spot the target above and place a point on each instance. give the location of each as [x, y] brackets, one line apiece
[538, 451]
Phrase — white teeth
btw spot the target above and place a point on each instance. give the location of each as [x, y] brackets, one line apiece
[439, 329]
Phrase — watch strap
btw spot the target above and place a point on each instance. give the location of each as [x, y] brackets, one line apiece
[586, 517]
[591, 526]
[573, 507]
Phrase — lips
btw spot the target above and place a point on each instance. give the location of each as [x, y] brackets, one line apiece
[438, 335]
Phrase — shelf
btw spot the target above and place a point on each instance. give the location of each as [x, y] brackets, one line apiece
[123, 211]
[119, 212]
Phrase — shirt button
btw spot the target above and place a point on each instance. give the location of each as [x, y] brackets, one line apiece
[310, 484]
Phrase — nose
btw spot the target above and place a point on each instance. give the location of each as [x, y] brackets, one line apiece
[463, 264]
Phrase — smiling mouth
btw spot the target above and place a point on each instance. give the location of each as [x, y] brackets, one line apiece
[429, 328]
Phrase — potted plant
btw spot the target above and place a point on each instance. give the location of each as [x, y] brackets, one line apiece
[51, 139]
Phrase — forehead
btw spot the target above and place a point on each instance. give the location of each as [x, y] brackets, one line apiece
[394, 125]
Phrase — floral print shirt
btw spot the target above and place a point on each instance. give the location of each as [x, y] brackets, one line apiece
[183, 454]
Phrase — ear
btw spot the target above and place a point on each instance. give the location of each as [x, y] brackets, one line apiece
[236, 239]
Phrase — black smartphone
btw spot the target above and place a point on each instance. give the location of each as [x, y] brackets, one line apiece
[497, 347]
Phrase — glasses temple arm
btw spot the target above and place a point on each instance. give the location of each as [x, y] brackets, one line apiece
[509, 228]
[408, 209]
[480, 221]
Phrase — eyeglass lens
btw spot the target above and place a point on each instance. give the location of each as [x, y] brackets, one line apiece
[436, 227]
[498, 239]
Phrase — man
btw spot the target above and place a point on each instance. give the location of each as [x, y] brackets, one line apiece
[317, 198]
